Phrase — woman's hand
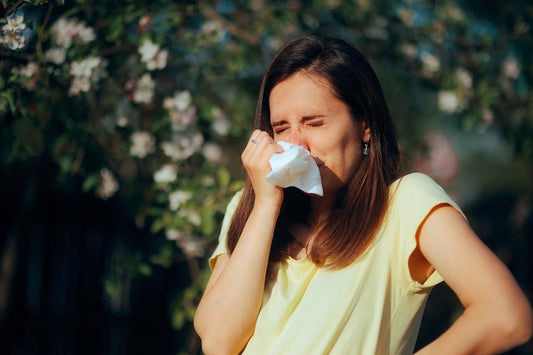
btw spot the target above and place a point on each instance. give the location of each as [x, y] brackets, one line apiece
[255, 159]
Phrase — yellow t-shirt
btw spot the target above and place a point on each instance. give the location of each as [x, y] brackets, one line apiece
[372, 306]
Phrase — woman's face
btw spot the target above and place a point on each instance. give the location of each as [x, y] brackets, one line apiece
[304, 111]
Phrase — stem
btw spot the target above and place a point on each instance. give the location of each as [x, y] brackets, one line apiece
[14, 8]
[41, 32]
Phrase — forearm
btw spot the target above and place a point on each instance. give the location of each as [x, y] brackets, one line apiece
[226, 315]
[481, 330]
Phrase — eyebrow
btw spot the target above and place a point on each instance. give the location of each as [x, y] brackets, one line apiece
[304, 118]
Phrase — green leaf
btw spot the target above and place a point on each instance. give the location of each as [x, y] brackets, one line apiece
[145, 269]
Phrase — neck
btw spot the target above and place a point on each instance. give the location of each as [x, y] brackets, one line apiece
[320, 207]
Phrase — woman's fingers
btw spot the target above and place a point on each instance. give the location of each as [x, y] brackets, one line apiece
[255, 158]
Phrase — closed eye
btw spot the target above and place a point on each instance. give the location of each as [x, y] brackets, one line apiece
[316, 123]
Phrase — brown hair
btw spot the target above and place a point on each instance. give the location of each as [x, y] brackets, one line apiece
[359, 206]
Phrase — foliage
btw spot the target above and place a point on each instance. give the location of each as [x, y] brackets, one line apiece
[149, 101]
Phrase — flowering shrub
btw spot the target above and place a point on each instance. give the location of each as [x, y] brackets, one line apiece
[157, 94]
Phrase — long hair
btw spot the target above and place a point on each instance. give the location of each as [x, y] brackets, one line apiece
[359, 207]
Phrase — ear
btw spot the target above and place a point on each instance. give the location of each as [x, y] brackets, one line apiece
[365, 131]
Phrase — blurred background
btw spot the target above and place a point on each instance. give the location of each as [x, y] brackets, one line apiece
[122, 123]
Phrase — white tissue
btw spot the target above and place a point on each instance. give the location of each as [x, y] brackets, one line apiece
[295, 167]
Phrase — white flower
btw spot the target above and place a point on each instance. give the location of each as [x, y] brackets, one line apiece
[142, 144]
[407, 16]
[167, 173]
[212, 152]
[173, 234]
[191, 216]
[178, 198]
[221, 125]
[144, 90]
[148, 50]
[180, 101]
[192, 246]
[182, 113]
[182, 146]
[85, 34]
[65, 31]
[511, 68]
[409, 50]
[108, 185]
[56, 55]
[12, 33]
[152, 56]
[430, 63]
[159, 62]
[449, 102]
[86, 72]
[28, 71]
[14, 24]
[463, 77]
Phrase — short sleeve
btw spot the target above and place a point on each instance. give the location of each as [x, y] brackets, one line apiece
[414, 199]
[226, 222]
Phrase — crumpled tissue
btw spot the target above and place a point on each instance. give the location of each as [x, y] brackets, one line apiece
[295, 167]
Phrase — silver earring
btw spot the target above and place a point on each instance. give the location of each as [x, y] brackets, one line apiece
[366, 148]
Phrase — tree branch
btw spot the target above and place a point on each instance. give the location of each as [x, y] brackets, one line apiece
[211, 13]
[14, 8]
[39, 47]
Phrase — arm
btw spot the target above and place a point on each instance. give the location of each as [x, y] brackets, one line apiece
[226, 316]
[497, 315]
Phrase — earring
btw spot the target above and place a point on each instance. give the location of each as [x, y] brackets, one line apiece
[366, 148]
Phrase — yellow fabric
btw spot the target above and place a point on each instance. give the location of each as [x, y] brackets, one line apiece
[373, 306]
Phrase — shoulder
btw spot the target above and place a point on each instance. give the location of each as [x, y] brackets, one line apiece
[415, 186]
[418, 194]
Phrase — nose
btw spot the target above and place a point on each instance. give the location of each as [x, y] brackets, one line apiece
[297, 137]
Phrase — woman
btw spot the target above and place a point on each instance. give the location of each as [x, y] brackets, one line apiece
[348, 272]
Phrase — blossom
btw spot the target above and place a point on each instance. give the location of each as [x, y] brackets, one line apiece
[152, 56]
[221, 124]
[56, 55]
[408, 50]
[212, 152]
[86, 72]
[463, 78]
[449, 102]
[64, 31]
[430, 63]
[167, 173]
[182, 146]
[178, 198]
[29, 71]
[143, 143]
[108, 185]
[192, 216]
[181, 111]
[511, 68]
[192, 246]
[12, 33]
[407, 16]
[144, 89]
